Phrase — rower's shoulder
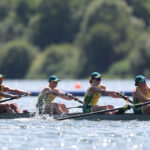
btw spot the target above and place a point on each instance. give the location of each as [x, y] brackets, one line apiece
[135, 91]
[46, 90]
[148, 88]
[93, 89]
[6, 88]
[102, 87]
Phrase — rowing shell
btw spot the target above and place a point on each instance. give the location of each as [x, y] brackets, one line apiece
[98, 117]
[19, 115]
[95, 117]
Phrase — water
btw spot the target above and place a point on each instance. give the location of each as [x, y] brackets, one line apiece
[48, 134]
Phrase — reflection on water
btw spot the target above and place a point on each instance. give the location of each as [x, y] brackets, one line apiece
[47, 134]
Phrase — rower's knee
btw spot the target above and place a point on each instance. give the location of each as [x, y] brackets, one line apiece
[110, 106]
[7, 105]
[13, 105]
[55, 105]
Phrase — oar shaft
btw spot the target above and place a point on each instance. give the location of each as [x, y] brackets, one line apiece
[126, 98]
[77, 100]
[126, 107]
[12, 98]
[2, 101]
[91, 113]
[75, 107]
[141, 104]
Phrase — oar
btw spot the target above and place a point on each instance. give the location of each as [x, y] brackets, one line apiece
[75, 107]
[124, 108]
[75, 98]
[12, 98]
[126, 98]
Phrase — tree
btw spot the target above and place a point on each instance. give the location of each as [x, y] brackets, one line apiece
[62, 60]
[141, 9]
[16, 58]
[140, 56]
[108, 31]
[52, 24]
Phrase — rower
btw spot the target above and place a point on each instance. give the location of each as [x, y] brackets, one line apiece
[9, 108]
[140, 95]
[46, 97]
[94, 92]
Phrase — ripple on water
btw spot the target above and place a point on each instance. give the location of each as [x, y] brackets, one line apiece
[47, 134]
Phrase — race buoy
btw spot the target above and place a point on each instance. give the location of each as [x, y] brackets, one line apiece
[78, 85]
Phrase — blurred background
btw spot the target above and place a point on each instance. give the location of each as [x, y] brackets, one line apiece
[72, 38]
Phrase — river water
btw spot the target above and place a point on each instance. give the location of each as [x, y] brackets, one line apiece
[48, 134]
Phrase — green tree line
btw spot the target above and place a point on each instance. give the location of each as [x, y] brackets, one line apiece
[72, 38]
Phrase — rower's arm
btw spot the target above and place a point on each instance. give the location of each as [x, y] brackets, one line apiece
[115, 95]
[6, 95]
[64, 95]
[102, 90]
[15, 91]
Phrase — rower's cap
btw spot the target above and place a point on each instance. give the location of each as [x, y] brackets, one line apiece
[53, 78]
[95, 75]
[2, 76]
[139, 79]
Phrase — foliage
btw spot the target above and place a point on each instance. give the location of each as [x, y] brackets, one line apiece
[140, 56]
[105, 43]
[5, 9]
[120, 69]
[98, 48]
[15, 58]
[109, 36]
[53, 23]
[62, 60]
[141, 9]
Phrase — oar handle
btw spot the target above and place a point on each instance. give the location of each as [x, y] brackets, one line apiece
[126, 98]
[75, 98]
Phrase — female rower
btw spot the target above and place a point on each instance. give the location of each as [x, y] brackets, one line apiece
[10, 108]
[46, 97]
[94, 92]
[140, 95]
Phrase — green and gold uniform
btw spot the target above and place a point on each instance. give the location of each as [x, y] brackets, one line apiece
[44, 99]
[90, 100]
[139, 109]
[2, 90]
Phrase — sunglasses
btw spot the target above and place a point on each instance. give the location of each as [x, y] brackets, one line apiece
[98, 79]
[142, 81]
[55, 81]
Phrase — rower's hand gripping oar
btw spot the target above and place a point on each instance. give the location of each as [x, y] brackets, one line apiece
[126, 98]
[12, 98]
[76, 99]
[73, 97]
